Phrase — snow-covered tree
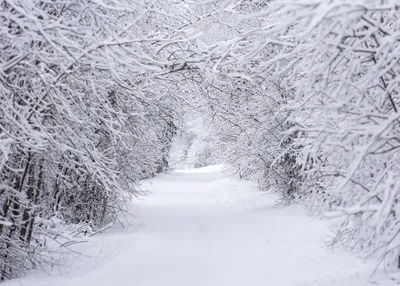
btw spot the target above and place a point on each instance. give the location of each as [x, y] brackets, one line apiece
[345, 68]
[83, 113]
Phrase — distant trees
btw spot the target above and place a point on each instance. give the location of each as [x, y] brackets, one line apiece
[250, 122]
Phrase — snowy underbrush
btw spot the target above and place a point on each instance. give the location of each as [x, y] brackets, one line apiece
[54, 242]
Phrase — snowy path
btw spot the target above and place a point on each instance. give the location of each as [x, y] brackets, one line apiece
[202, 229]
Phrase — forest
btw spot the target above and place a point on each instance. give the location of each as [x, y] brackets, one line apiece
[299, 96]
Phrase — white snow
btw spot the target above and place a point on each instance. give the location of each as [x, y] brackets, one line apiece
[202, 228]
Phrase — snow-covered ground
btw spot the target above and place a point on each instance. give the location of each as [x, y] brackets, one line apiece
[201, 228]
